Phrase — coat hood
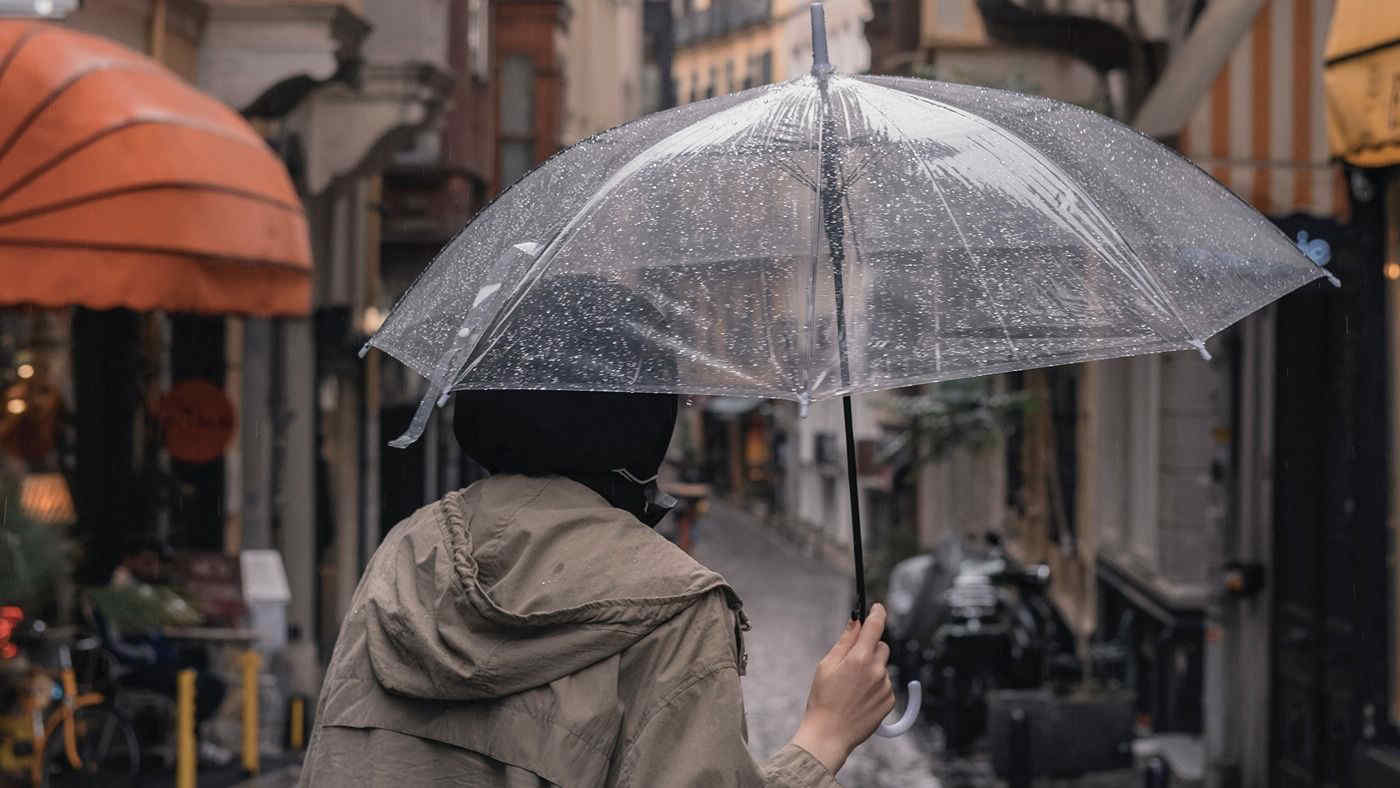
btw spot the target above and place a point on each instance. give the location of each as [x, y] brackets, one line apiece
[513, 583]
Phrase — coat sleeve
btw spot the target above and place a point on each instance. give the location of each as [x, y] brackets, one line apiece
[694, 736]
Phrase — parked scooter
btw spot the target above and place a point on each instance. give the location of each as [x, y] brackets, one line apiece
[967, 620]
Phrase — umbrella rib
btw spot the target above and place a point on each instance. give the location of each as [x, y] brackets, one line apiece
[948, 208]
[447, 372]
[491, 333]
[797, 175]
[1132, 267]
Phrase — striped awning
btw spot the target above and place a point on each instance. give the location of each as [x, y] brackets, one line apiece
[1262, 128]
[123, 186]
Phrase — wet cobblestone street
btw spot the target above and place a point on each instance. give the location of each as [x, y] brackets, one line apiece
[797, 607]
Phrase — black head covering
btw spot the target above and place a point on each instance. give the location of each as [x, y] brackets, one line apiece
[614, 442]
[565, 432]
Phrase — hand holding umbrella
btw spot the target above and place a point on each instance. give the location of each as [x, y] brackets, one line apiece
[850, 694]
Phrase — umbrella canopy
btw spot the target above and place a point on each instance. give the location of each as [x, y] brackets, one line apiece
[838, 234]
[121, 185]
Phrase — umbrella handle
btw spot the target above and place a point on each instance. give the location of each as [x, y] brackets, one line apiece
[911, 713]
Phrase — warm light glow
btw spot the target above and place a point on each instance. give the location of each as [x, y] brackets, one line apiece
[26, 371]
[1392, 271]
[45, 498]
[16, 406]
[371, 320]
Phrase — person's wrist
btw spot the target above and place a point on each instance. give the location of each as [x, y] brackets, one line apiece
[824, 747]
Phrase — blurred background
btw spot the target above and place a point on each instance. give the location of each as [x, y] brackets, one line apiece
[1204, 550]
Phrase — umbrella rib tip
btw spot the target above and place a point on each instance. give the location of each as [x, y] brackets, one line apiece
[1200, 347]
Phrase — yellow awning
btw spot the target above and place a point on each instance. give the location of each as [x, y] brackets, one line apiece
[1362, 81]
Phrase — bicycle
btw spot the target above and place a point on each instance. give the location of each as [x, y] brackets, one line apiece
[73, 738]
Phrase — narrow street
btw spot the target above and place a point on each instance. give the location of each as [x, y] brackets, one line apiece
[797, 607]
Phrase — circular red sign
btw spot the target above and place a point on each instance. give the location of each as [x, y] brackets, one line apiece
[198, 420]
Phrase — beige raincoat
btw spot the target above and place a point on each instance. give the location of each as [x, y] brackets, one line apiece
[522, 632]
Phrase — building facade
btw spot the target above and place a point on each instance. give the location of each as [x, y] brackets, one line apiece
[603, 52]
[724, 46]
[1195, 511]
[335, 99]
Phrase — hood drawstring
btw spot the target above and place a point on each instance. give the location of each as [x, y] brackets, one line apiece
[741, 625]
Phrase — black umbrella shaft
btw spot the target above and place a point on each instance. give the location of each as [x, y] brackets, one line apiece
[852, 481]
[834, 222]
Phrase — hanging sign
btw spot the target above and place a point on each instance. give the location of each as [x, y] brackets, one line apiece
[198, 420]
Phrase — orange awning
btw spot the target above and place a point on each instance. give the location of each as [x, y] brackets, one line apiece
[121, 185]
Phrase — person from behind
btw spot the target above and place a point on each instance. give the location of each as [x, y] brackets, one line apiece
[534, 630]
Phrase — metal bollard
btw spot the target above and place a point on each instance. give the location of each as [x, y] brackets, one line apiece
[186, 758]
[1021, 769]
[252, 661]
[1157, 774]
[296, 722]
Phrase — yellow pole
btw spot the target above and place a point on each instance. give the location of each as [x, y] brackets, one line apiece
[185, 757]
[298, 723]
[252, 661]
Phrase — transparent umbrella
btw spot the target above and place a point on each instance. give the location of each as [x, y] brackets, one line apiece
[838, 234]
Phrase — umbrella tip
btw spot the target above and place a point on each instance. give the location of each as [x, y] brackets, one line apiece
[821, 63]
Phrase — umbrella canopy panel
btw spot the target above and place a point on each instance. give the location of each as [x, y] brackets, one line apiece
[982, 231]
[121, 185]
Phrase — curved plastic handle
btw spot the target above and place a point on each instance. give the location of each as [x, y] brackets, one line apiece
[911, 713]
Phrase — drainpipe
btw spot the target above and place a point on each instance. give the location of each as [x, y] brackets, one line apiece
[1195, 65]
[1193, 68]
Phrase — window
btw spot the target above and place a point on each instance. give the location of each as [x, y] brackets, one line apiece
[651, 88]
[714, 82]
[760, 68]
[1063, 384]
[694, 86]
[517, 117]
[729, 84]
[952, 14]
[1144, 393]
[1014, 445]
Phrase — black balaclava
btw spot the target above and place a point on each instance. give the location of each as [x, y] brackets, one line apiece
[612, 442]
